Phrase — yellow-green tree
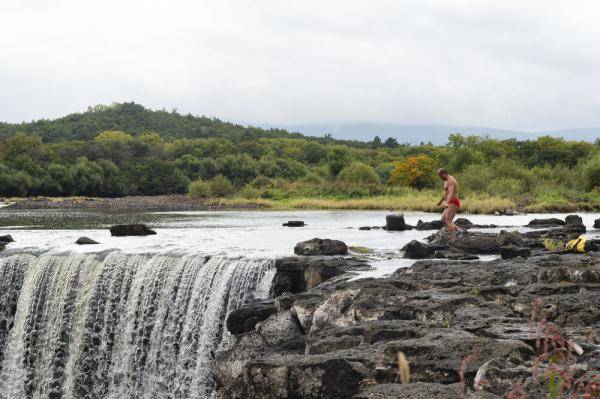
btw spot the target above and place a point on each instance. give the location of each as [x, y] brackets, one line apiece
[414, 171]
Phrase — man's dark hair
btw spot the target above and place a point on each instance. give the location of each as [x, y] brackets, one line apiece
[442, 171]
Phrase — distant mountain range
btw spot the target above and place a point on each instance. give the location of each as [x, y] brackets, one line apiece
[436, 134]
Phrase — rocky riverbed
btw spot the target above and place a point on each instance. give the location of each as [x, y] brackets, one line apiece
[524, 327]
[157, 203]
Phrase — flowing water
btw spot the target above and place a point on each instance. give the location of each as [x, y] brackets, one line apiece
[142, 317]
[118, 325]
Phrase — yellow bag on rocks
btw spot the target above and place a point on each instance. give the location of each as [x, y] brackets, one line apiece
[577, 245]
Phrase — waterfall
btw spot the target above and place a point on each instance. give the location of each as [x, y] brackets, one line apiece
[115, 325]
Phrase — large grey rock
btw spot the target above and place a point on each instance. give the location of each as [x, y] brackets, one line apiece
[395, 223]
[547, 222]
[310, 377]
[5, 239]
[244, 319]
[298, 274]
[437, 313]
[417, 250]
[319, 246]
[464, 223]
[512, 251]
[278, 328]
[575, 222]
[433, 225]
[123, 230]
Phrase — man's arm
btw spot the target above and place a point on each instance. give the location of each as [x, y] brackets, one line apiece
[442, 200]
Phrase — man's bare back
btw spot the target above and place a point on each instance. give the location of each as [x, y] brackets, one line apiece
[449, 201]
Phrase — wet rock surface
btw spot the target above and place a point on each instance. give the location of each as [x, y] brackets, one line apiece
[123, 230]
[86, 241]
[294, 223]
[464, 326]
[320, 247]
[508, 244]
[396, 223]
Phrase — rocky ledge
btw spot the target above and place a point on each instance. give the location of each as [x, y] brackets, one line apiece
[467, 328]
[508, 244]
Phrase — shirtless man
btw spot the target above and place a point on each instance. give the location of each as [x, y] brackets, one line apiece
[449, 201]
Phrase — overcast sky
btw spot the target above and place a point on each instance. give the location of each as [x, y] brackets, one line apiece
[524, 65]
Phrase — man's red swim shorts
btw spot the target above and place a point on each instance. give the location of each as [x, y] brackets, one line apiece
[455, 201]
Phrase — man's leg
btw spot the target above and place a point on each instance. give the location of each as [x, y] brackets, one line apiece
[450, 213]
[444, 213]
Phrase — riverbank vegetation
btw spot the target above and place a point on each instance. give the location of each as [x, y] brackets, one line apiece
[125, 149]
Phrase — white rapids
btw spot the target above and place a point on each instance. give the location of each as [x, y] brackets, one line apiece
[115, 325]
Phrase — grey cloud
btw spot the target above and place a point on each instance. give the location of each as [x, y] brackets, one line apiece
[525, 65]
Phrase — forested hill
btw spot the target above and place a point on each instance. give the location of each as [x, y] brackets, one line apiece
[126, 149]
[136, 119]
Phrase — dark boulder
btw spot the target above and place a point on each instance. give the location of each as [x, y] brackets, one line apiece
[318, 246]
[574, 223]
[296, 275]
[476, 243]
[123, 230]
[294, 223]
[395, 223]
[464, 223]
[512, 238]
[244, 319]
[549, 222]
[452, 254]
[5, 239]
[85, 241]
[512, 251]
[365, 228]
[433, 225]
[597, 224]
[417, 250]
[573, 220]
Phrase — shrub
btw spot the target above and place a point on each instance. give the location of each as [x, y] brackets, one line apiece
[506, 187]
[250, 192]
[359, 173]
[591, 173]
[220, 186]
[415, 171]
[261, 181]
[199, 189]
[475, 178]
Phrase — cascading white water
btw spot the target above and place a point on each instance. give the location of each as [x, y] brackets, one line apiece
[118, 325]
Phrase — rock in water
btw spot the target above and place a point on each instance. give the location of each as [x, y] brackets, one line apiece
[463, 223]
[417, 250]
[318, 246]
[123, 230]
[575, 222]
[512, 251]
[433, 225]
[365, 228]
[395, 223]
[294, 223]
[597, 224]
[6, 239]
[510, 212]
[85, 241]
[546, 222]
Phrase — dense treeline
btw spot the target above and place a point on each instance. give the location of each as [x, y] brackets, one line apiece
[126, 149]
